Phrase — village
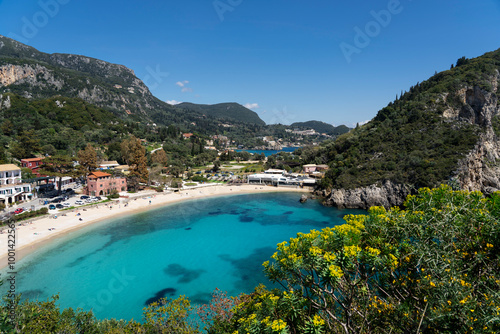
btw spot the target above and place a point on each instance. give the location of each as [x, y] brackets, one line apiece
[18, 194]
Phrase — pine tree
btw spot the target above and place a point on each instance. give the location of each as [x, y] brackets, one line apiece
[135, 155]
[59, 166]
[88, 158]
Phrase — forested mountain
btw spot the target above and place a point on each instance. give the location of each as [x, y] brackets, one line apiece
[443, 130]
[321, 127]
[32, 74]
[228, 111]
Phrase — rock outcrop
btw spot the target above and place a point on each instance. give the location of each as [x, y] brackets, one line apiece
[387, 195]
[480, 169]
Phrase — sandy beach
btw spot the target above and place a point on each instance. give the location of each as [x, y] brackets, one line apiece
[31, 236]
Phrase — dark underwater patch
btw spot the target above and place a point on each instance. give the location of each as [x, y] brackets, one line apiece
[185, 275]
[246, 219]
[249, 270]
[32, 294]
[201, 298]
[168, 292]
[288, 213]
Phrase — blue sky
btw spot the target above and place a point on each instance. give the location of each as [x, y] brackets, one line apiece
[334, 61]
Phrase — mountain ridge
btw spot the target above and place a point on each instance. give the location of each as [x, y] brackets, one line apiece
[37, 75]
[225, 110]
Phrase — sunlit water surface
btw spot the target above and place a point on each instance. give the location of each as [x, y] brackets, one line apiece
[118, 266]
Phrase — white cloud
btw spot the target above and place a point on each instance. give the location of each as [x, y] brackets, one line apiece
[173, 102]
[182, 83]
[252, 106]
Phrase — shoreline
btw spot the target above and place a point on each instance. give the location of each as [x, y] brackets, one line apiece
[31, 237]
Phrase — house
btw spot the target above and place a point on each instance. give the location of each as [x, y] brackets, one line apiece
[310, 168]
[100, 183]
[108, 165]
[32, 163]
[187, 135]
[122, 168]
[11, 187]
[320, 168]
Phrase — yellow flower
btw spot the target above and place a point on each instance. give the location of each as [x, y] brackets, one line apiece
[329, 257]
[278, 325]
[352, 250]
[315, 251]
[318, 321]
[372, 251]
[335, 271]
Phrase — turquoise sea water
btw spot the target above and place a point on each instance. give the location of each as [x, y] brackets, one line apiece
[117, 267]
[268, 153]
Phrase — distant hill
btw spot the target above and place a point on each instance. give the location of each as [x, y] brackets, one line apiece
[229, 111]
[321, 127]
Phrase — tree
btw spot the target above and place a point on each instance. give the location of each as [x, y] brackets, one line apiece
[88, 158]
[26, 174]
[26, 145]
[59, 166]
[217, 165]
[159, 157]
[3, 155]
[432, 267]
[135, 155]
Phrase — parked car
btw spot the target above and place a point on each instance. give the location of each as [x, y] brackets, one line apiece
[52, 207]
[79, 202]
[59, 206]
[18, 211]
[66, 205]
[84, 197]
[98, 198]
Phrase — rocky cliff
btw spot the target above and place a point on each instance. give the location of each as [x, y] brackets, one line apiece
[480, 169]
[33, 74]
[387, 195]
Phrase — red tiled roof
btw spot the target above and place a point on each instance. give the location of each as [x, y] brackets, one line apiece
[31, 159]
[98, 174]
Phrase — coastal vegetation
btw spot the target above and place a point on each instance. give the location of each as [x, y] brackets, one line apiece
[431, 266]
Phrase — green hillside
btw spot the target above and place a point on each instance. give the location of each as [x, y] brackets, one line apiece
[228, 111]
[419, 138]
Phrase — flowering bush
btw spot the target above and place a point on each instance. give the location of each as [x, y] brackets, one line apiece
[433, 267]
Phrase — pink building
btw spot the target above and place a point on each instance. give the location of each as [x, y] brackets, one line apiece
[100, 183]
[32, 163]
[309, 168]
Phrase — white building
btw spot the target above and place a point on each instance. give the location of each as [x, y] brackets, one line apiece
[276, 177]
[11, 187]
